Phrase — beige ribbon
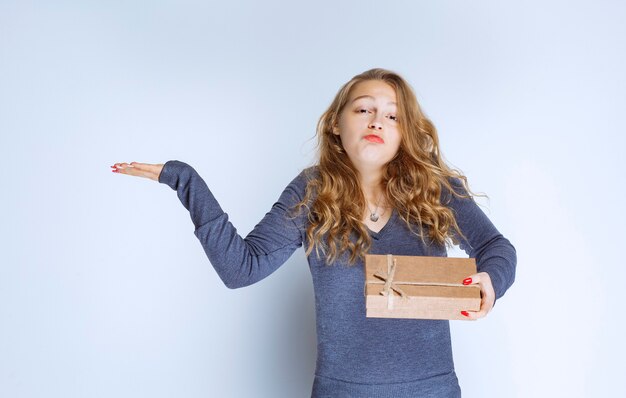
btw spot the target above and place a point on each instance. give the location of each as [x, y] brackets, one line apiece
[389, 285]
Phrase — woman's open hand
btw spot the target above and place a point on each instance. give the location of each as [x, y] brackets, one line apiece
[488, 295]
[151, 171]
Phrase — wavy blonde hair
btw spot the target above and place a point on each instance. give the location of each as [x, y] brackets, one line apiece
[413, 180]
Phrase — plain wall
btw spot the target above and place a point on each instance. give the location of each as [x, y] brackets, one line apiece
[104, 289]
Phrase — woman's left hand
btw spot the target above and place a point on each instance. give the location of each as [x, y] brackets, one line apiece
[488, 295]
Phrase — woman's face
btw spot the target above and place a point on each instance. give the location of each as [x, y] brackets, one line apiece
[368, 126]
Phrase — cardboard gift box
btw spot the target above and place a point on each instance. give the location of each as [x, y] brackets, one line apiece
[419, 287]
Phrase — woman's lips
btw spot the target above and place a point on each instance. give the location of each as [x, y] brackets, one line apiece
[374, 138]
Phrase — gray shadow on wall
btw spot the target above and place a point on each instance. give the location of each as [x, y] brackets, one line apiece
[283, 322]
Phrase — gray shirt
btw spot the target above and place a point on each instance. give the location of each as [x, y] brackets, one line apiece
[356, 356]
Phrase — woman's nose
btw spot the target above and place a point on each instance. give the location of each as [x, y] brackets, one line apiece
[376, 124]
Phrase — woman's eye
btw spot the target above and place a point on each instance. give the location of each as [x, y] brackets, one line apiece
[393, 117]
[362, 111]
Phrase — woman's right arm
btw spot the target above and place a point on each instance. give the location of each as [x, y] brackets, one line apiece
[238, 261]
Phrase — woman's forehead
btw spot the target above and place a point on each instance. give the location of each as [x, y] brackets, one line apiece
[373, 89]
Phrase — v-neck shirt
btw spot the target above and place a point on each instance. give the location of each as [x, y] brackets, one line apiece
[378, 357]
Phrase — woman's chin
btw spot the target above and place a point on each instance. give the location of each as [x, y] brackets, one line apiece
[372, 161]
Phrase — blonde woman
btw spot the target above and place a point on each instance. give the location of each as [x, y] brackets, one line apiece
[380, 187]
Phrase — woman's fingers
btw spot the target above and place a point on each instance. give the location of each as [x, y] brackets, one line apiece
[488, 295]
[146, 170]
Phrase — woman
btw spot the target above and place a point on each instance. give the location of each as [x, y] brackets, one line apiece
[380, 187]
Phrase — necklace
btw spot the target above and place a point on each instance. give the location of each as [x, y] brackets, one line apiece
[374, 216]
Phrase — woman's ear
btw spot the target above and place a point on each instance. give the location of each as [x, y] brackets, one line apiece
[335, 123]
[335, 127]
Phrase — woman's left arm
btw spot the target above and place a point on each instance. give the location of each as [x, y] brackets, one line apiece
[496, 258]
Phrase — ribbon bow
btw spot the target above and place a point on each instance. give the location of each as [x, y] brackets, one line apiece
[390, 287]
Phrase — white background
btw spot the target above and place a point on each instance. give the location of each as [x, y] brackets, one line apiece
[105, 291]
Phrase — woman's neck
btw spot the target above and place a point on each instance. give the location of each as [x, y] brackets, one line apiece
[371, 185]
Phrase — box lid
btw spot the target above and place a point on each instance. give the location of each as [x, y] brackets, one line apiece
[419, 270]
[430, 287]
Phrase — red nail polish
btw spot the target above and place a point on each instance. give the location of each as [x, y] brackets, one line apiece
[465, 313]
[467, 281]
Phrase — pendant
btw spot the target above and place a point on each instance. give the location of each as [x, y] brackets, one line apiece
[374, 217]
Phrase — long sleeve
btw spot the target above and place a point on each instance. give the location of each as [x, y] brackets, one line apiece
[494, 254]
[238, 261]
